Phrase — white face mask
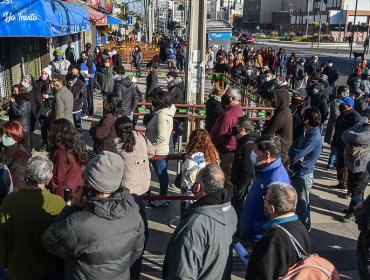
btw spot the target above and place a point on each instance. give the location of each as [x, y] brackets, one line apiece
[330, 64]
[7, 140]
[168, 80]
[26, 84]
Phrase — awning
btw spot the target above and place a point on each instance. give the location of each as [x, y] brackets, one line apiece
[96, 17]
[41, 18]
[114, 20]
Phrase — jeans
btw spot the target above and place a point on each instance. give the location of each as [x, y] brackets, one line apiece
[77, 120]
[332, 158]
[180, 63]
[357, 183]
[280, 70]
[303, 185]
[160, 169]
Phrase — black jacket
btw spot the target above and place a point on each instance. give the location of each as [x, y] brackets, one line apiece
[344, 122]
[151, 82]
[79, 92]
[213, 110]
[70, 55]
[100, 241]
[45, 88]
[126, 91]
[177, 91]
[361, 104]
[21, 111]
[281, 123]
[238, 71]
[297, 108]
[37, 106]
[320, 102]
[117, 60]
[221, 68]
[332, 74]
[274, 254]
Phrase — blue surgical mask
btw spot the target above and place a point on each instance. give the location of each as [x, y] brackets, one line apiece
[316, 91]
[254, 158]
[114, 77]
[267, 79]
[58, 57]
[7, 140]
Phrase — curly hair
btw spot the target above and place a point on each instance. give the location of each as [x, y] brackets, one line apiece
[63, 132]
[124, 130]
[200, 141]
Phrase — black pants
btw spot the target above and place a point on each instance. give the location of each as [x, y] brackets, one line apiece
[363, 256]
[357, 183]
[44, 123]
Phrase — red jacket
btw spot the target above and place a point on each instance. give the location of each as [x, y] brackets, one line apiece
[67, 173]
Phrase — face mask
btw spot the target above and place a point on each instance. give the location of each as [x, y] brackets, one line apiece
[58, 57]
[114, 52]
[225, 100]
[44, 77]
[347, 94]
[330, 64]
[168, 80]
[72, 77]
[26, 84]
[267, 79]
[97, 51]
[235, 131]
[316, 91]
[7, 140]
[106, 65]
[296, 101]
[72, 46]
[254, 158]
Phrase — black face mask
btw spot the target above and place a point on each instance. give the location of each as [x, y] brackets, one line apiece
[225, 100]
[296, 101]
[235, 131]
[72, 77]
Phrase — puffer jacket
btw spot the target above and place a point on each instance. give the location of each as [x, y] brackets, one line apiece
[126, 90]
[281, 123]
[21, 111]
[200, 246]
[176, 89]
[78, 90]
[103, 79]
[59, 67]
[100, 241]
[357, 150]
[334, 114]
[159, 130]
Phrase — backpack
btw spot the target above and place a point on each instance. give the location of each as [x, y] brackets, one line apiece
[310, 267]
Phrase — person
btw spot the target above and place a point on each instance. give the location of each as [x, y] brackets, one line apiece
[20, 111]
[238, 72]
[272, 257]
[30, 210]
[203, 252]
[137, 58]
[87, 70]
[116, 58]
[78, 90]
[332, 74]
[221, 52]
[366, 44]
[362, 84]
[98, 57]
[13, 154]
[300, 102]
[303, 154]
[68, 153]
[125, 89]
[300, 77]
[59, 65]
[151, 79]
[90, 52]
[221, 133]
[281, 62]
[135, 150]
[291, 69]
[242, 171]
[70, 53]
[181, 56]
[200, 151]
[158, 132]
[221, 65]
[348, 117]
[46, 91]
[213, 108]
[63, 100]
[176, 87]
[103, 78]
[320, 101]
[102, 234]
[281, 123]
[210, 59]
[313, 65]
[354, 80]
[103, 132]
[356, 158]
[171, 57]
[269, 168]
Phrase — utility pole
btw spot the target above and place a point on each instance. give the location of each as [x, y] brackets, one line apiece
[318, 40]
[228, 11]
[150, 21]
[308, 18]
[340, 24]
[195, 72]
[353, 30]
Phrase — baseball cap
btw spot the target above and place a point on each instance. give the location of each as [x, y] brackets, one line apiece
[347, 100]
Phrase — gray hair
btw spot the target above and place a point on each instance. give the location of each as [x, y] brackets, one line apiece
[283, 197]
[39, 170]
[212, 177]
[233, 92]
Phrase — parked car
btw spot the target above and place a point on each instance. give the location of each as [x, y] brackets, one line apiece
[245, 38]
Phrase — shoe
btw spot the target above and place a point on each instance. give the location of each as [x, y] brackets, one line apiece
[348, 195]
[85, 116]
[159, 203]
[330, 167]
[339, 186]
[350, 217]
[43, 148]
[347, 210]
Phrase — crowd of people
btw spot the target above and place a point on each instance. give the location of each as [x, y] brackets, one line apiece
[241, 180]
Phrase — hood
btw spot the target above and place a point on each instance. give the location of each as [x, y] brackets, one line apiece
[112, 208]
[273, 165]
[213, 205]
[281, 99]
[168, 111]
[126, 82]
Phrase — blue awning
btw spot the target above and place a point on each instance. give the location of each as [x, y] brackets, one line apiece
[41, 18]
[114, 20]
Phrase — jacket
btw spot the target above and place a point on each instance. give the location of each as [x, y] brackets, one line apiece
[177, 91]
[103, 79]
[136, 177]
[297, 110]
[159, 129]
[242, 171]
[281, 123]
[171, 53]
[221, 133]
[37, 106]
[190, 168]
[200, 247]
[67, 172]
[62, 105]
[126, 90]
[137, 58]
[78, 89]
[320, 102]
[334, 113]
[151, 83]
[70, 55]
[308, 147]
[221, 68]
[274, 254]
[332, 74]
[59, 67]
[100, 241]
[282, 58]
[253, 217]
[344, 122]
[357, 150]
[104, 133]
[361, 104]
[21, 111]
[238, 71]
[117, 60]
[213, 111]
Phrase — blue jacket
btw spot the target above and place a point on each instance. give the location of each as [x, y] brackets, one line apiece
[308, 146]
[171, 53]
[253, 217]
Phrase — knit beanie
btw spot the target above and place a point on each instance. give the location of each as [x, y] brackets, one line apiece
[104, 172]
[58, 51]
[47, 70]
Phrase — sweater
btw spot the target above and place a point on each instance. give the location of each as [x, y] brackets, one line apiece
[25, 215]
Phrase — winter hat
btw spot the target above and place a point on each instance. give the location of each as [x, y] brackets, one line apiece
[58, 51]
[358, 70]
[47, 70]
[300, 91]
[104, 172]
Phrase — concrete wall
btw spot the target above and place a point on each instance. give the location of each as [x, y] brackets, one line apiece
[267, 8]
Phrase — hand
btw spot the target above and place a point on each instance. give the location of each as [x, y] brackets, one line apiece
[45, 96]
[11, 100]
[87, 75]
[78, 198]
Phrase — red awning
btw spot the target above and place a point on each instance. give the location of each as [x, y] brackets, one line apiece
[96, 17]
